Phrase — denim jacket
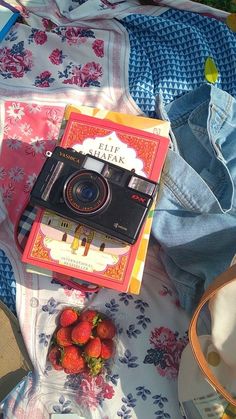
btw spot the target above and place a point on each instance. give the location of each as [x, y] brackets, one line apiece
[195, 220]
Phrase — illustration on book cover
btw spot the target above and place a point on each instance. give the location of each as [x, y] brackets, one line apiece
[76, 246]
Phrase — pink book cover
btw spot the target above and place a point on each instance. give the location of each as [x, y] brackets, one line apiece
[61, 245]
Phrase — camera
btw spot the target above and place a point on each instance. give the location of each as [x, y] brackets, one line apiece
[93, 192]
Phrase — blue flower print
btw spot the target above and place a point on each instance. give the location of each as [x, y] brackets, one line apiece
[132, 332]
[63, 406]
[113, 378]
[119, 329]
[47, 370]
[160, 400]
[44, 339]
[126, 298]
[12, 36]
[141, 305]
[50, 307]
[129, 360]
[157, 357]
[129, 400]
[143, 392]
[124, 413]
[73, 381]
[112, 307]
[162, 415]
[143, 320]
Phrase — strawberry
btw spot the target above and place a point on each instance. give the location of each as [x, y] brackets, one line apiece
[63, 336]
[72, 361]
[93, 348]
[67, 317]
[91, 316]
[54, 356]
[81, 332]
[107, 348]
[106, 329]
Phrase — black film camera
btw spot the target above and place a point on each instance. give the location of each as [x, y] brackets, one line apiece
[95, 193]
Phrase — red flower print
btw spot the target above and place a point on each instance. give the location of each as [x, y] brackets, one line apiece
[93, 390]
[162, 338]
[108, 391]
[166, 352]
[24, 12]
[44, 79]
[40, 37]
[44, 83]
[48, 24]
[86, 76]
[98, 47]
[91, 71]
[108, 4]
[45, 74]
[72, 35]
[56, 57]
[13, 64]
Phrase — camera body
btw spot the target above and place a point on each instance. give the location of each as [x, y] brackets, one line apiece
[94, 192]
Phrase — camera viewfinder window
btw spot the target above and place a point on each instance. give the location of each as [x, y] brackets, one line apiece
[113, 173]
[141, 185]
[93, 164]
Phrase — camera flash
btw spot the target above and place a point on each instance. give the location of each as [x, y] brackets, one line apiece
[93, 164]
[142, 185]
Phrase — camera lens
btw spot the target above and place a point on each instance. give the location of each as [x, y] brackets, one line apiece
[86, 192]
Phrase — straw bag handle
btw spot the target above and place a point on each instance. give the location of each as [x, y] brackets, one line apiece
[225, 278]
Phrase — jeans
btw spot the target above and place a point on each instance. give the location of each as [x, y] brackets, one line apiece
[195, 219]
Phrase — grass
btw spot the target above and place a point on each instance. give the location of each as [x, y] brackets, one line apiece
[228, 5]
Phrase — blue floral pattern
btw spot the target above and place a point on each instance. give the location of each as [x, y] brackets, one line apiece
[63, 406]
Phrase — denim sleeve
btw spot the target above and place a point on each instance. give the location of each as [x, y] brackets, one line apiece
[195, 220]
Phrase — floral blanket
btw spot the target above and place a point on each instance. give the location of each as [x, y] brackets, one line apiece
[70, 51]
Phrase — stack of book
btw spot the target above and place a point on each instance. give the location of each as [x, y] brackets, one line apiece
[62, 245]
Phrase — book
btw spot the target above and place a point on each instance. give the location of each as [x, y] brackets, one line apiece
[155, 126]
[108, 262]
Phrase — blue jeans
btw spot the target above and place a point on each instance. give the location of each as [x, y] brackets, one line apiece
[195, 219]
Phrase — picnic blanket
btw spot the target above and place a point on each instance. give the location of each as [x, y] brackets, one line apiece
[109, 54]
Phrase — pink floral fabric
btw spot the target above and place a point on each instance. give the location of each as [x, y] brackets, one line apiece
[24, 144]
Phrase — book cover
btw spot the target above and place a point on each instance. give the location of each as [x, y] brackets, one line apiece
[62, 246]
[156, 126]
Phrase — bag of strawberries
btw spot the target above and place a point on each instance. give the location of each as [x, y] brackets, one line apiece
[75, 349]
[83, 341]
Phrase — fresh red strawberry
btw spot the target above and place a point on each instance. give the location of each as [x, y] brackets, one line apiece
[54, 356]
[68, 317]
[93, 347]
[72, 361]
[106, 329]
[91, 316]
[63, 336]
[81, 332]
[107, 348]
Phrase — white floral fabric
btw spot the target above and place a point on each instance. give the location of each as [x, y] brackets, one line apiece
[65, 52]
